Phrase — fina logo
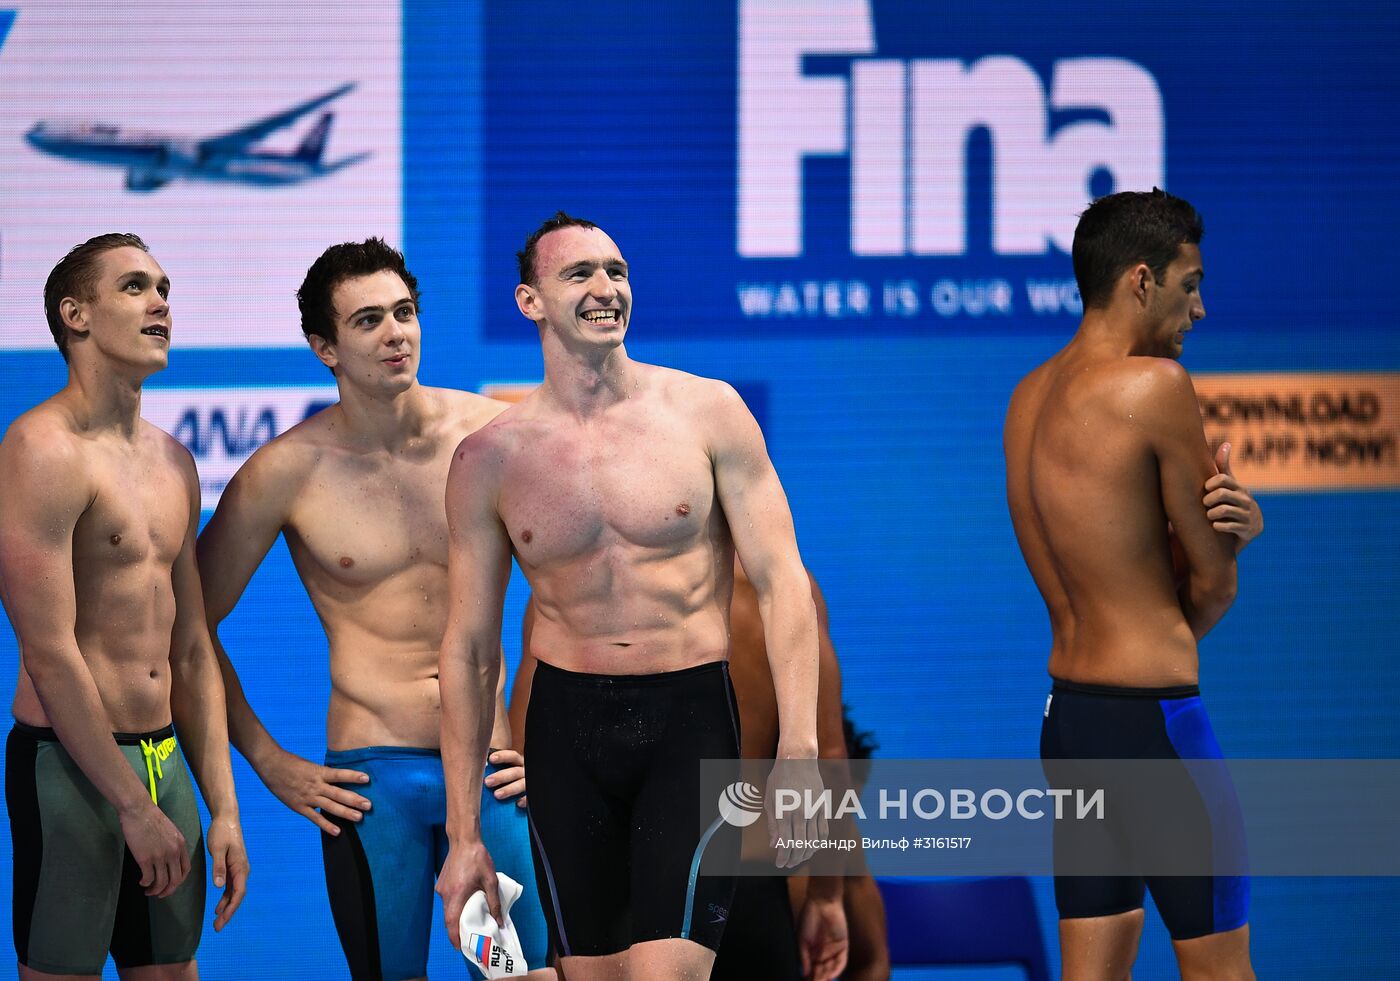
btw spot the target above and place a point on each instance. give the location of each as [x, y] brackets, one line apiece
[905, 126]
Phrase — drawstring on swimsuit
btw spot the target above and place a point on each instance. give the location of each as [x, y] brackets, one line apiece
[152, 771]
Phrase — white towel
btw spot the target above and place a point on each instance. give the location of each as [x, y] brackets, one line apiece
[494, 949]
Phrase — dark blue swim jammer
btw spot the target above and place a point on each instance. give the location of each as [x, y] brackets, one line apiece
[1098, 722]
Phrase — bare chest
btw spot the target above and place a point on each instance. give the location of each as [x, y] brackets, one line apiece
[576, 492]
[139, 516]
[363, 521]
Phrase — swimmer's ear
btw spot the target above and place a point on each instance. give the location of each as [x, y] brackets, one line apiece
[1140, 277]
[324, 350]
[527, 299]
[73, 315]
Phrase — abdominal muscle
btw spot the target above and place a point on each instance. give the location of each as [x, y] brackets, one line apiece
[383, 697]
[135, 693]
[647, 638]
[129, 662]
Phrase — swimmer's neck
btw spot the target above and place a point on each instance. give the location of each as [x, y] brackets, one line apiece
[385, 421]
[99, 398]
[585, 380]
[1112, 332]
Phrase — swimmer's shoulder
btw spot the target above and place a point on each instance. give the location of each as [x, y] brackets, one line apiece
[279, 468]
[49, 421]
[695, 394]
[465, 412]
[44, 444]
[1029, 395]
[1147, 388]
[504, 431]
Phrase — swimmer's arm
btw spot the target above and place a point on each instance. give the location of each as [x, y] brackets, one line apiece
[196, 690]
[197, 706]
[761, 525]
[469, 665]
[46, 490]
[870, 952]
[250, 515]
[831, 736]
[1184, 462]
[478, 568]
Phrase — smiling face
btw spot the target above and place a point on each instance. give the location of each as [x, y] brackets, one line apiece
[581, 291]
[1176, 302]
[126, 320]
[377, 334]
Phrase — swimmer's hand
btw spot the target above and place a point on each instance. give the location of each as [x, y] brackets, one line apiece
[509, 780]
[791, 832]
[822, 938]
[230, 862]
[468, 869]
[310, 789]
[158, 848]
[1229, 505]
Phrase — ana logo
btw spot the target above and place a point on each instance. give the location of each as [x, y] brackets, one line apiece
[905, 126]
[740, 804]
[222, 427]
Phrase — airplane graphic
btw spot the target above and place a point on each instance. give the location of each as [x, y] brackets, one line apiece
[152, 160]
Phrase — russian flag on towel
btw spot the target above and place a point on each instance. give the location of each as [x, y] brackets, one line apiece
[481, 948]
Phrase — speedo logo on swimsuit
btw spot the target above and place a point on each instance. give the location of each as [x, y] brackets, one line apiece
[721, 914]
[740, 804]
[156, 753]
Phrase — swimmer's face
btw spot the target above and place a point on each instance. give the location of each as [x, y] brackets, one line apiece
[1177, 302]
[376, 333]
[127, 318]
[581, 290]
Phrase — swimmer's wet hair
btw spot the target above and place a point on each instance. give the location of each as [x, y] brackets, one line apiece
[348, 260]
[1120, 230]
[526, 256]
[76, 276]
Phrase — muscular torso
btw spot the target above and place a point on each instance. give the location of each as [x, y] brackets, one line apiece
[368, 535]
[124, 546]
[1086, 501]
[615, 522]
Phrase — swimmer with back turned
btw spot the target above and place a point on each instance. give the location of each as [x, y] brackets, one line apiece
[1105, 461]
